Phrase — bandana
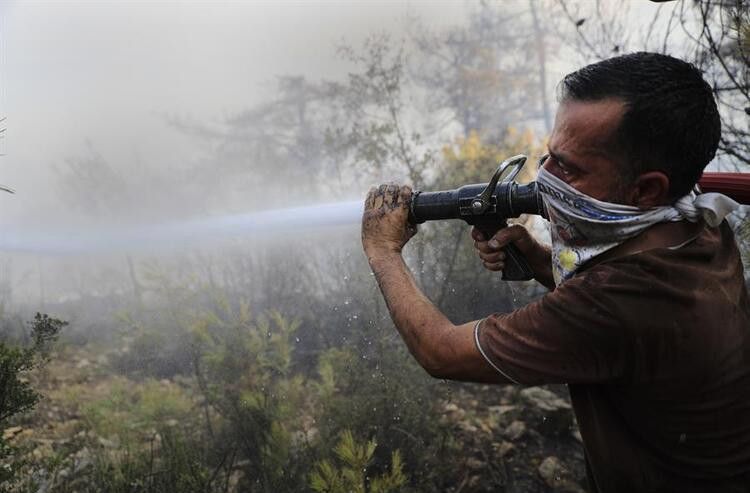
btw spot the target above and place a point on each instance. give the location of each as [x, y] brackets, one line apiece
[583, 227]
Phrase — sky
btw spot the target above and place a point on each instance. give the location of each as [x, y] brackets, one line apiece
[108, 73]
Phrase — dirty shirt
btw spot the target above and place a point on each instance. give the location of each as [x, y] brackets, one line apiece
[655, 347]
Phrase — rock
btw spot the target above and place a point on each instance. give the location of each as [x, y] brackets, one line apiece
[83, 363]
[455, 411]
[515, 430]
[113, 443]
[82, 460]
[475, 464]
[503, 448]
[9, 433]
[557, 477]
[550, 415]
[502, 409]
[468, 427]
[552, 471]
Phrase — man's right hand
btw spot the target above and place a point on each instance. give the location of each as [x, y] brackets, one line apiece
[493, 258]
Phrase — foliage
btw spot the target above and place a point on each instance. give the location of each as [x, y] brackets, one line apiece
[385, 395]
[16, 394]
[352, 476]
[488, 72]
[175, 461]
[244, 370]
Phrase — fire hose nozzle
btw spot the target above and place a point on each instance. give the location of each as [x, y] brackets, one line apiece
[487, 206]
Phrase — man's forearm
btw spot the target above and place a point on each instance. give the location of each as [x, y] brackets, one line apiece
[422, 326]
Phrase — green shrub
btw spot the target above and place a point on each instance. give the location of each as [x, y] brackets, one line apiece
[386, 396]
[352, 476]
[16, 393]
[244, 369]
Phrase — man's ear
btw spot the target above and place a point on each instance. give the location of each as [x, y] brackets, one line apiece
[651, 189]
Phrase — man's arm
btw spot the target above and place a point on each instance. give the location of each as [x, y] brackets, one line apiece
[443, 349]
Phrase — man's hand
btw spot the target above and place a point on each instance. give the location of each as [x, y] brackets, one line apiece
[385, 225]
[493, 258]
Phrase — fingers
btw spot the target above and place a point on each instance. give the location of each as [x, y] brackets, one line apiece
[404, 195]
[493, 257]
[370, 200]
[477, 235]
[512, 234]
[495, 267]
[379, 197]
[389, 194]
[491, 253]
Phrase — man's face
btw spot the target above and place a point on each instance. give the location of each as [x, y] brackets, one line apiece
[581, 151]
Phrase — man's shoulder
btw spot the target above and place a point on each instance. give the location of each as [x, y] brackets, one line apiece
[712, 253]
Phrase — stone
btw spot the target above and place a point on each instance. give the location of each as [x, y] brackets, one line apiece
[557, 476]
[9, 433]
[475, 464]
[552, 471]
[515, 430]
[502, 409]
[548, 413]
[503, 448]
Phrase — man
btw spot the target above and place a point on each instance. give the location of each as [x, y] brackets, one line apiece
[648, 318]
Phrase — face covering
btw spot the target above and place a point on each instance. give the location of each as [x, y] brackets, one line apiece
[583, 227]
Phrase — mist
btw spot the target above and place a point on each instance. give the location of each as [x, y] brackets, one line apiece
[189, 180]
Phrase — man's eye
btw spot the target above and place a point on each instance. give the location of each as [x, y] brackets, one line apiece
[552, 161]
[564, 169]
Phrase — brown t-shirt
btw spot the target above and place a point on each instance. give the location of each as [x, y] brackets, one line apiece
[655, 347]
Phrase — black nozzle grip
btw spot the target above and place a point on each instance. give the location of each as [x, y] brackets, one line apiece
[516, 267]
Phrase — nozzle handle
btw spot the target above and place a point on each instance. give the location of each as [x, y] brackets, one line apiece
[517, 268]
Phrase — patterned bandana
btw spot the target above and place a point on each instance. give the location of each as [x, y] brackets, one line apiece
[583, 227]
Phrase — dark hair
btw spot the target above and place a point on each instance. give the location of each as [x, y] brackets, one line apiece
[671, 123]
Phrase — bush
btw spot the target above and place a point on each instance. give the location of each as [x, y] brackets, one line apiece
[353, 475]
[389, 399]
[16, 393]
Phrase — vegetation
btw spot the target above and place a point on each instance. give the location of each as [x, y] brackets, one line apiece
[257, 368]
[17, 360]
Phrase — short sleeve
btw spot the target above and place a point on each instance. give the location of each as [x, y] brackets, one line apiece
[570, 335]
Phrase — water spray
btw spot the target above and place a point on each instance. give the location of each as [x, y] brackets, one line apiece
[487, 206]
[165, 236]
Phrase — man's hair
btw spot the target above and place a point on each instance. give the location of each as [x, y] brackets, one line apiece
[671, 123]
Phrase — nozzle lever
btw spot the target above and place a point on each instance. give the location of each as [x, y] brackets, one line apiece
[481, 202]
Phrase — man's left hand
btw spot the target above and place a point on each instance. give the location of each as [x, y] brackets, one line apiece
[385, 222]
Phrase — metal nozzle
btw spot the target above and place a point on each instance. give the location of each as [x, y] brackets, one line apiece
[481, 202]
